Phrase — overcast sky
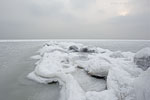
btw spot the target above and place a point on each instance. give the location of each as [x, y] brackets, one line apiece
[75, 19]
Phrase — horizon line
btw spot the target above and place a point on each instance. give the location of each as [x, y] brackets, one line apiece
[38, 40]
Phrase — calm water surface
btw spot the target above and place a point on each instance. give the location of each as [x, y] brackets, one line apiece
[15, 64]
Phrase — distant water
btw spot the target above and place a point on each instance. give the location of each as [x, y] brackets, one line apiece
[115, 45]
[15, 64]
[121, 45]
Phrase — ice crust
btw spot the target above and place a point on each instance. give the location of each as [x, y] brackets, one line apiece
[89, 74]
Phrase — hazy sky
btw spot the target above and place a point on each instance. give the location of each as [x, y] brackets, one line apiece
[100, 19]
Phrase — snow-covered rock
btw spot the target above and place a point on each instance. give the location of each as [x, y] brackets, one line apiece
[95, 65]
[98, 66]
[142, 58]
[73, 66]
[74, 48]
[58, 46]
[87, 50]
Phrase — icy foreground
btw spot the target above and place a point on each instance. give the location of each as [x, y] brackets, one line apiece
[91, 73]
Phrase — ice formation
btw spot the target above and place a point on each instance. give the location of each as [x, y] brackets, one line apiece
[104, 95]
[88, 73]
[142, 58]
[117, 54]
[142, 86]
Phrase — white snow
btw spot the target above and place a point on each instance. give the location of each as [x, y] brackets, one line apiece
[98, 66]
[117, 54]
[143, 53]
[98, 75]
[89, 83]
[104, 95]
[142, 86]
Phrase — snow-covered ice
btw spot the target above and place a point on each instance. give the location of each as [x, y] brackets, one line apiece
[142, 58]
[89, 83]
[90, 73]
[104, 95]
[142, 86]
[97, 66]
[117, 54]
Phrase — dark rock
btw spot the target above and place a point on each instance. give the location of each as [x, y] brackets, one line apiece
[53, 82]
[73, 48]
[143, 63]
[80, 67]
[84, 50]
[46, 44]
[98, 77]
[87, 50]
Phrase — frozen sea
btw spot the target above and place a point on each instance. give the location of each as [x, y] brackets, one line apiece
[15, 64]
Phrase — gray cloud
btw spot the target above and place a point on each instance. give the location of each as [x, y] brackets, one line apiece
[81, 4]
[24, 19]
